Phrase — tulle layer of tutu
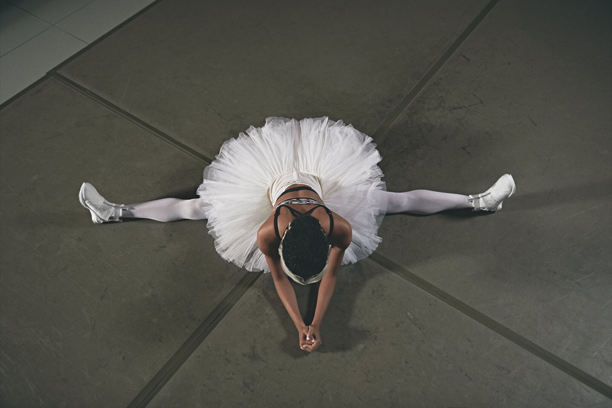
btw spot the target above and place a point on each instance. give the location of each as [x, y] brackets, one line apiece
[235, 187]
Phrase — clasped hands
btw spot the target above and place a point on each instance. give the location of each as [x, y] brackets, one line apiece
[310, 338]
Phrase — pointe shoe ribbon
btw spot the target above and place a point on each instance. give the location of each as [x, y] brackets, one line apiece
[492, 199]
[101, 210]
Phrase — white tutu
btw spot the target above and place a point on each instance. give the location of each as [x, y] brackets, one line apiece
[236, 187]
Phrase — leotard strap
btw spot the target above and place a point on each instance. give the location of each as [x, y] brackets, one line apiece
[299, 214]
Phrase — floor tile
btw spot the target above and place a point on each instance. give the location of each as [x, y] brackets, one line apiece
[218, 67]
[99, 17]
[51, 11]
[91, 312]
[527, 94]
[17, 27]
[26, 64]
[385, 343]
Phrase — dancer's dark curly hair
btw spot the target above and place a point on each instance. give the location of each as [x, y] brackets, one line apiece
[305, 247]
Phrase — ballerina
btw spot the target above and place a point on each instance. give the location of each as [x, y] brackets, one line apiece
[273, 197]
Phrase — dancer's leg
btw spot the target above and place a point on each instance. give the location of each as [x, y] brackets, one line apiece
[430, 202]
[422, 201]
[166, 210]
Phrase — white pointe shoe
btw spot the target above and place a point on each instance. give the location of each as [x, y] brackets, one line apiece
[101, 210]
[492, 199]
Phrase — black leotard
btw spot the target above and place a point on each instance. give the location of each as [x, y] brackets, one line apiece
[299, 214]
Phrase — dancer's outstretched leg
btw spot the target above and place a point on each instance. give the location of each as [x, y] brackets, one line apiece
[424, 202]
[164, 210]
[429, 202]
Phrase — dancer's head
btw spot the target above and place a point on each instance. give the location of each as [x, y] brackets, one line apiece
[304, 250]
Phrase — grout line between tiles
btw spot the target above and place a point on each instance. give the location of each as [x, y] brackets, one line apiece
[27, 41]
[78, 53]
[497, 327]
[52, 24]
[378, 134]
[70, 34]
[134, 119]
[75, 11]
[193, 342]
[104, 36]
[23, 91]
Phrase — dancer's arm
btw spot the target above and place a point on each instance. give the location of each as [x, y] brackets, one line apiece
[328, 283]
[285, 292]
[326, 289]
[268, 245]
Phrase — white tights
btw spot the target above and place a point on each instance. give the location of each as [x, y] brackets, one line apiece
[416, 202]
[421, 202]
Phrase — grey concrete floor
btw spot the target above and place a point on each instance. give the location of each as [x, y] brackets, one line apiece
[457, 309]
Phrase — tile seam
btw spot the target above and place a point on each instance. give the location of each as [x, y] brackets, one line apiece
[76, 11]
[28, 40]
[507, 333]
[27, 89]
[159, 380]
[77, 54]
[103, 36]
[382, 129]
[130, 117]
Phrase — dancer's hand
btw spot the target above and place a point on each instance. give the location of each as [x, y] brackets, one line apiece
[313, 339]
[303, 333]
